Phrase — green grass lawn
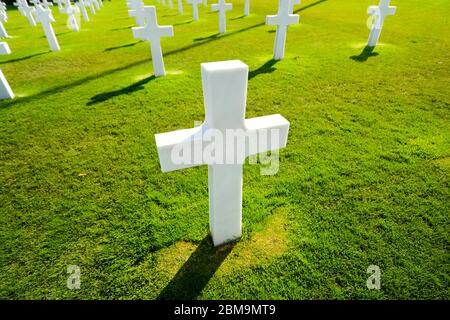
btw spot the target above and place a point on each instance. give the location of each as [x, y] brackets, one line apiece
[364, 179]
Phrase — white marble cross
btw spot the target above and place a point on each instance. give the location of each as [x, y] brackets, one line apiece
[90, 4]
[137, 11]
[82, 4]
[225, 93]
[45, 17]
[60, 4]
[153, 32]
[247, 8]
[46, 4]
[3, 18]
[283, 19]
[18, 4]
[180, 6]
[194, 4]
[5, 89]
[28, 12]
[222, 7]
[380, 12]
[293, 3]
[71, 13]
[97, 4]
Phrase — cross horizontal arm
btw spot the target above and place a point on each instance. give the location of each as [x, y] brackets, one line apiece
[276, 129]
[187, 139]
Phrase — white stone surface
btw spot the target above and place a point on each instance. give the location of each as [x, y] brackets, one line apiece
[46, 4]
[222, 7]
[91, 6]
[282, 20]
[379, 12]
[137, 11]
[45, 17]
[153, 32]
[247, 8]
[293, 3]
[28, 12]
[3, 18]
[225, 93]
[60, 4]
[5, 89]
[82, 5]
[180, 6]
[194, 4]
[71, 12]
[170, 3]
[97, 4]
[18, 4]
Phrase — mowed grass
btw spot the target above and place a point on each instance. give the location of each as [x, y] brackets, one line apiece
[364, 179]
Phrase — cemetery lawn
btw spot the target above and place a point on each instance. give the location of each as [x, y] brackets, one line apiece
[364, 179]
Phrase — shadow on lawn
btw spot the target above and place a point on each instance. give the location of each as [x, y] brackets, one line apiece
[27, 57]
[123, 46]
[130, 89]
[123, 28]
[265, 68]
[182, 23]
[365, 54]
[193, 276]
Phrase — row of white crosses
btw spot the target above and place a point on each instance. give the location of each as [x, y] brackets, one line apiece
[41, 13]
[3, 19]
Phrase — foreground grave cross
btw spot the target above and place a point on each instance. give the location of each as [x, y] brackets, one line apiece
[283, 19]
[222, 7]
[153, 32]
[225, 94]
[380, 12]
[194, 4]
[45, 17]
[5, 89]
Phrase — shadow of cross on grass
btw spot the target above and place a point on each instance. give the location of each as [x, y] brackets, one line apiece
[130, 89]
[365, 54]
[196, 272]
[265, 68]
